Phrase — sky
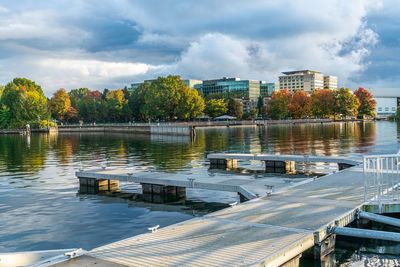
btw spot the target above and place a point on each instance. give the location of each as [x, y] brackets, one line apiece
[110, 44]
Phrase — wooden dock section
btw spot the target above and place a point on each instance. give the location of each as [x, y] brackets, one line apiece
[269, 231]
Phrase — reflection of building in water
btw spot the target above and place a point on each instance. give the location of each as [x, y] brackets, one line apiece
[171, 139]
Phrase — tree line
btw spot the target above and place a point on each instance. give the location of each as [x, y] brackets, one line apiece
[167, 98]
[322, 103]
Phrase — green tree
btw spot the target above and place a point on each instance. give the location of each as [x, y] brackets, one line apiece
[367, 103]
[279, 108]
[170, 98]
[260, 104]
[162, 97]
[25, 101]
[190, 104]
[216, 107]
[115, 104]
[346, 103]
[235, 108]
[5, 117]
[137, 102]
[76, 95]
[60, 104]
[254, 113]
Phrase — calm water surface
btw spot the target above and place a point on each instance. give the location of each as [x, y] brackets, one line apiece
[41, 208]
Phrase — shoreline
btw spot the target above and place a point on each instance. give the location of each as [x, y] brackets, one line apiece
[180, 128]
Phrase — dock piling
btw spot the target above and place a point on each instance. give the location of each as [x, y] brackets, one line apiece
[275, 166]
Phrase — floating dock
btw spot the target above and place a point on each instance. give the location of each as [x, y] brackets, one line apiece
[268, 231]
[273, 230]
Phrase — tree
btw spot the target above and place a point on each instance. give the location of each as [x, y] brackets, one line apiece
[235, 108]
[216, 107]
[115, 104]
[76, 95]
[72, 114]
[190, 105]
[279, 104]
[367, 103]
[254, 113]
[137, 102]
[162, 97]
[322, 103]
[60, 104]
[167, 98]
[25, 101]
[5, 117]
[260, 104]
[300, 104]
[346, 103]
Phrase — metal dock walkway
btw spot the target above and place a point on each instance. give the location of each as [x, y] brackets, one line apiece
[267, 231]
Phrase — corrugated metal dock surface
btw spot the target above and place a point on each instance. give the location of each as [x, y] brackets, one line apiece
[267, 231]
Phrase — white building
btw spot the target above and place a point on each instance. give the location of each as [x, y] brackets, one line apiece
[387, 101]
[386, 106]
[306, 80]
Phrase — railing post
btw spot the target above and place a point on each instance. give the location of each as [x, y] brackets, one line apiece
[365, 178]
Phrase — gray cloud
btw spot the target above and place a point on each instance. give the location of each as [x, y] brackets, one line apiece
[113, 43]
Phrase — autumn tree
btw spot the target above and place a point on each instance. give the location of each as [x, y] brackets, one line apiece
[322, 103]
[367, 103]
[300, 105]
[279, 108]
[346, 103]
[115, 105]
[235, 108]
[216, 107]
[60, 104]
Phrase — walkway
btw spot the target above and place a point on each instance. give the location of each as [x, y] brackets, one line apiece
[266, 231]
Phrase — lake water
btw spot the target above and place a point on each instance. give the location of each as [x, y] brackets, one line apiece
[41, 208]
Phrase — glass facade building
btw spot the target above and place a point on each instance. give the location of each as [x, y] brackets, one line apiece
[231, 87]
[266, 89]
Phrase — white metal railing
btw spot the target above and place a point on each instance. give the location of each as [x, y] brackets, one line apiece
[382, 178]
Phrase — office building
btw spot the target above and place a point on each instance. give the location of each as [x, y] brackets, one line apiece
[305, 80]
[266, 89]
[231, 87]
[330, 82]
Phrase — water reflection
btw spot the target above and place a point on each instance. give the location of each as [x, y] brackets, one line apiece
[38, 202]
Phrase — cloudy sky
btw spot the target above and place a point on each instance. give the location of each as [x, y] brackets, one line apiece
[109, 44]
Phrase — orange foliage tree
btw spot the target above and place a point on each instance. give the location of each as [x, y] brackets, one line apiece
[322, 103]
[300, 105]
[60, 104]
[279, 104]
[366, 101]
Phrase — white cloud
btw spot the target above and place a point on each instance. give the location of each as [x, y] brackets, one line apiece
[196, 39]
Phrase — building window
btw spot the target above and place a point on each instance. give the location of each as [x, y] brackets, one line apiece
[393, 109]
[379, 109]
[386, 108]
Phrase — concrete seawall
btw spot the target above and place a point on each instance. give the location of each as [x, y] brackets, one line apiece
[182, 130]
